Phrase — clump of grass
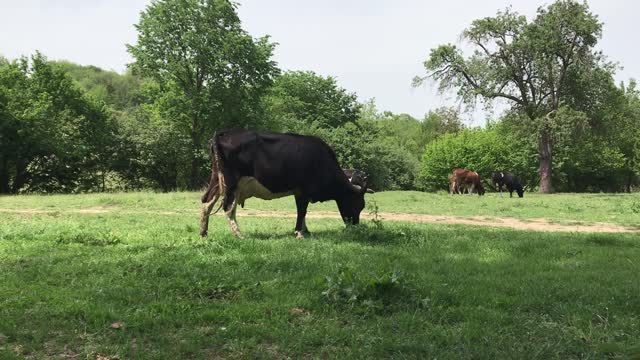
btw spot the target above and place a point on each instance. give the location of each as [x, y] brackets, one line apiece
[109, 201]
[227, 291]
[89, 239]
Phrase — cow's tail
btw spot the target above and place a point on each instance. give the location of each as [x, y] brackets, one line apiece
[217, 176]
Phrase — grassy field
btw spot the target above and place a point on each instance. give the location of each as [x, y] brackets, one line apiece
[619, 209]
[135, 280]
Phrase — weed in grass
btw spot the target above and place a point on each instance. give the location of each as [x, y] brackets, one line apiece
[377, 291]
[374, 213]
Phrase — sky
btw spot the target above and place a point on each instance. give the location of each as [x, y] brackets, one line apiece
[372, 47]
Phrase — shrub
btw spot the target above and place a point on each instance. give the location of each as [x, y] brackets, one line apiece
[481, 150]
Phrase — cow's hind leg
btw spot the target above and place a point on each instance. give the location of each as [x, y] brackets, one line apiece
[231, 216]
[230, 203]
[301, 225]
[204, 215]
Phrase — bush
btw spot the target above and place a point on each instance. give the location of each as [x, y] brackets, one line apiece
[359, 146]
[481, 150]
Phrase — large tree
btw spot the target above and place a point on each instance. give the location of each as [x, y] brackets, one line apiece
[299, 99]
[199, 48]
[53, 138]
[530, 65]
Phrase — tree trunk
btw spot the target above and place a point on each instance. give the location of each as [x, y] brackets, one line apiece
[4, 176]
[21, 176]
[194, 180]
[545, 152]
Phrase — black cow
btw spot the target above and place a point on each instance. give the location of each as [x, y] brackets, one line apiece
[500, 178]
[357, 177]
[249, 164]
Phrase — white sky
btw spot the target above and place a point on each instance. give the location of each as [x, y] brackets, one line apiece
[373, 47]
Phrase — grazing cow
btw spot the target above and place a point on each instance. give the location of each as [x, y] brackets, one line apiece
[453, 185]
[249, 164]
[501, 178]
[357, 177]
[461, 179]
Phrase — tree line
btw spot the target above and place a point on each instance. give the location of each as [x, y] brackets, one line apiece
[569, 127]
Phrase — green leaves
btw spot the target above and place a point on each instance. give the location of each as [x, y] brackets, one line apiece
[529, 64]
[200, 49]
[299, 99]
[57, 138]
[482, 150]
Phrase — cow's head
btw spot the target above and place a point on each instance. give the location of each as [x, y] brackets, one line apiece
[520, 191]
[357, 177]
[352, 203]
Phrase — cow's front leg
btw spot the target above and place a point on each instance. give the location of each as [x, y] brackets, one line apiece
[301, 226]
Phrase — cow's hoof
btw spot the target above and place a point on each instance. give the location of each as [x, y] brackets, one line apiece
[204, 234]
[299, 235]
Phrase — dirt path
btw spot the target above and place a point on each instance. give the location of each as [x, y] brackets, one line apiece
[519, 224]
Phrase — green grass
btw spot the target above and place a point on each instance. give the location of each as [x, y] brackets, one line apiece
[395, 290]
[621, 209]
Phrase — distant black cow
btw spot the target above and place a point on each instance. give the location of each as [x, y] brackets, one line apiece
[500, 178]
[357, 177]
[249, 164]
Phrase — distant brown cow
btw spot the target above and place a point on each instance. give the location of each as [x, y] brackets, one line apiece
[453, 185]
[461, 179]
[456, 179]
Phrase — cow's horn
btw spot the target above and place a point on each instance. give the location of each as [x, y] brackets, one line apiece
[364, 187]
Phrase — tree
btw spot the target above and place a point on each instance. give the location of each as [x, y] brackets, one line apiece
[53, 138]
[527, 64]
[200, 48]
[441, 121]
[120, 91]
[299, 99]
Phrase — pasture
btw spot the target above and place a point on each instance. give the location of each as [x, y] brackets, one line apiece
[127, 276]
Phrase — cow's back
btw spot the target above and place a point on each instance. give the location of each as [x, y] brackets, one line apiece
[283, 162]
